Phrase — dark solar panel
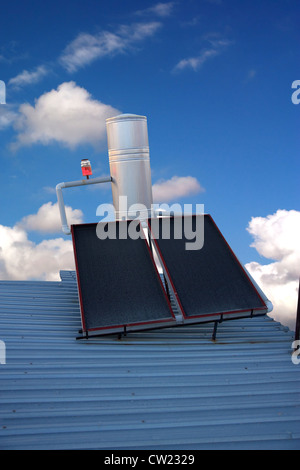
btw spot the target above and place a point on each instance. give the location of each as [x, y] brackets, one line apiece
[119, 285]
[206, 281]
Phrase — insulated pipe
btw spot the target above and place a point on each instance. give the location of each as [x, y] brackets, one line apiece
[72, 184]
[297, 329]
[129, 161]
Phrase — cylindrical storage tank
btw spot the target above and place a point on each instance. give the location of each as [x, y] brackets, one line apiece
[129, 161]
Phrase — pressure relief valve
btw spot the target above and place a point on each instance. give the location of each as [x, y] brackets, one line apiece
[86, 168]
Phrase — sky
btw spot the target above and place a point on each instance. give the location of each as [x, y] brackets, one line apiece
[219, 82]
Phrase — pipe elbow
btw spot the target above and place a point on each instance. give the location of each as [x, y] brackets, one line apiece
[60, 186]
[66, 230]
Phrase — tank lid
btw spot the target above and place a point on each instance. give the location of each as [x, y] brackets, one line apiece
[125, 117]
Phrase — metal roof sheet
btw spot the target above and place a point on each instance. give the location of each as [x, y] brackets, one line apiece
[164, 389]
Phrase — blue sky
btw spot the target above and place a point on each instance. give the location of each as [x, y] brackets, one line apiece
[213, 77]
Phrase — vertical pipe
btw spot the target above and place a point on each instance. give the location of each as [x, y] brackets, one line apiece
[73, 184]
[297, 332]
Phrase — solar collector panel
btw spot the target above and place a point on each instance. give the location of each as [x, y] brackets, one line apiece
[209, 281]
[118, 282]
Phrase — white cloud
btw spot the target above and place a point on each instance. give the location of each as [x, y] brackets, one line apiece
[276, 237]
[67, 115]
[175, 188]
[138, 32]
[7, 116]
[163, 9]
[86, 48]
[49, 189]
[21, 259]
[47, 219]
[160, 9]
[28, 78]
[195, 63]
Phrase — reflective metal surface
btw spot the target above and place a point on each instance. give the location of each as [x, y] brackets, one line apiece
[129, 160]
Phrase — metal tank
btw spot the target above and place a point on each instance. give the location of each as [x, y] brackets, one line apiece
[129, 160]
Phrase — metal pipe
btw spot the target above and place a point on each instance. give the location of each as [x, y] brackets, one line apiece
[297, 331]
[72, 184]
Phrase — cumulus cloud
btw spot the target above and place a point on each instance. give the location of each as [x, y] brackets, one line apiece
[68, 115]
[86, 48]
[175, 188]
[47, 219]
[7, 116]
[276, 237]
[22, 259]
[28, 78]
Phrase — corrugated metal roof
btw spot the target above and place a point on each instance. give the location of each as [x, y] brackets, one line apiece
[162, 389]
